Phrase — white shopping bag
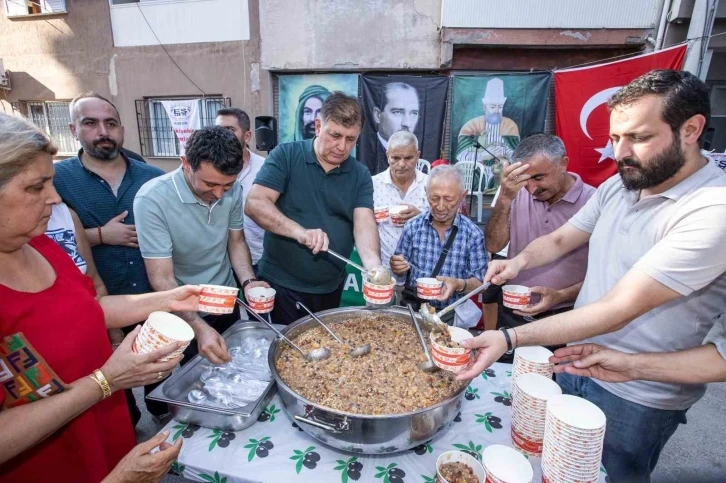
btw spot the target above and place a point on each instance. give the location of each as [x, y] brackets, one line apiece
[467, 315]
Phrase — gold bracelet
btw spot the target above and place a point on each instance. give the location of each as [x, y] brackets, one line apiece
[102, 382]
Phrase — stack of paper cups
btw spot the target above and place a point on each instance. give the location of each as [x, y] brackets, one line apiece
[529, 409]
[162, 329]
[531, 360]
[574, 435]
[503, 464]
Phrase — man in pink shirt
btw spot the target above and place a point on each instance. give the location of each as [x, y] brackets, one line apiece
[551, 195]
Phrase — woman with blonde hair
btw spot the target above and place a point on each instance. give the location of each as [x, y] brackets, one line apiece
[75, 427]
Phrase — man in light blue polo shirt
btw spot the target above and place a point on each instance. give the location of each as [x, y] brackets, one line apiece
[190, 228]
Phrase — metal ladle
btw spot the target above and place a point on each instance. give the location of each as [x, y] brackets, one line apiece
[427, 365]
[374, 275]
[435, 318]
[361, 350]
[318, 354]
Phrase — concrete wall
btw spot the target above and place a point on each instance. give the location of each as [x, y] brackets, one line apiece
[350, 34]
[72, 53]
[559, 14]
[180, 22]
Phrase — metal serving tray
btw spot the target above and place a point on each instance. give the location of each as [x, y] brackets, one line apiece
[174, 390]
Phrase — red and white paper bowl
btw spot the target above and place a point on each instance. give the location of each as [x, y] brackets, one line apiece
[217, 299]
[428, 288]
[381, 214]
[503, 464]
[516, 296]
[535, 359]
[378, 294]
[162, 329]
[261, 299]
[574, 438]
[529, 409]
[452, 359]
[395, 213]
[459, 457]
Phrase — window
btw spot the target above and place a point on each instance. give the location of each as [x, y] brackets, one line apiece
[53, 117]
[155, 132]
[19, 8]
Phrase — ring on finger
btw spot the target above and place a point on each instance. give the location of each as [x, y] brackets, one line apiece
[160, 375]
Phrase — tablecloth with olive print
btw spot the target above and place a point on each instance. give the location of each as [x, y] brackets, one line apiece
[275, 450]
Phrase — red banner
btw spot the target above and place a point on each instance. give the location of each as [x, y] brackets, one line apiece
[583, 121]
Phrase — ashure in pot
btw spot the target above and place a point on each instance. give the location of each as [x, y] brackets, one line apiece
[351, 410]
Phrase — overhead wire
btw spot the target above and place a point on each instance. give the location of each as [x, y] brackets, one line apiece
[167, 52]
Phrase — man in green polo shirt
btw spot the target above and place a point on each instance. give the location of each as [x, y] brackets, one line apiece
[189, 224]
[308, 196]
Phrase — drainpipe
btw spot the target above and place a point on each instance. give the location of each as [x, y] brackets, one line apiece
[704, 12]
[664, 12]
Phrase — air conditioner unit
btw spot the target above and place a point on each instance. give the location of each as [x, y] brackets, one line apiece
[4, 77]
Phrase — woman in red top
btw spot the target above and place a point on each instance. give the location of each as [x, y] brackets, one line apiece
[77, 435]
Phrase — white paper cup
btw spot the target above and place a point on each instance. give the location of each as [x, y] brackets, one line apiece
[261, 299]
[378, 294]
[217, 299]
[516, 296]
[428, 288]
[381, 214]
[162, 329]
[577, 412]
[506, 464]
[459, 457]
[395, 212]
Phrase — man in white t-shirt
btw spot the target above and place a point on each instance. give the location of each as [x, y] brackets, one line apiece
[401, 184]
[237, 121]
[656, 273]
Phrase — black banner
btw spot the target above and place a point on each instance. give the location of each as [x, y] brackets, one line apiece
[400, 102]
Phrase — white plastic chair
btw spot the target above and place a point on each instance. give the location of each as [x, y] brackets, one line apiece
[421, 164]
[468, 168]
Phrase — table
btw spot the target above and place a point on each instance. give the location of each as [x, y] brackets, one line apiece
[274, 449]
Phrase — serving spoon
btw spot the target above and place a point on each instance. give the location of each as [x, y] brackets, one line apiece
[318, 354]
[361, 350]
[427, 365]
[377, 275]
[435, 318]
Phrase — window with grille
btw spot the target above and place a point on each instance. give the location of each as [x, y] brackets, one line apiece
[53, 117]
[19, 8]
[155, 131]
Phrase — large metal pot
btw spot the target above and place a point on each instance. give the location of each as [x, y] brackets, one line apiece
[369, 434]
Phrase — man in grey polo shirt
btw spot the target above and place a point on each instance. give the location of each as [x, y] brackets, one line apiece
[656, 277]
[189, 223]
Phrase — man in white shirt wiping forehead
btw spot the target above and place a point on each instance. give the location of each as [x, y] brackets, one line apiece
[656, 275]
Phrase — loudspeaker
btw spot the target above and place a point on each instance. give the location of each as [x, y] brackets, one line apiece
[265, 133]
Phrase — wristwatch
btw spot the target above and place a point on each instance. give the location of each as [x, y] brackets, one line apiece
[463, 289]
[247, 282]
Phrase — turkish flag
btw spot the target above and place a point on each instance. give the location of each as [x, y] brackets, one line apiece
[583, 121]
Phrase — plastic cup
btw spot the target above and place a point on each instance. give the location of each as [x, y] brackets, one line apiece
[459, 457]
[261, 299]
[516, 296]
[217, 299]
[162, 329]
[428, 288]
